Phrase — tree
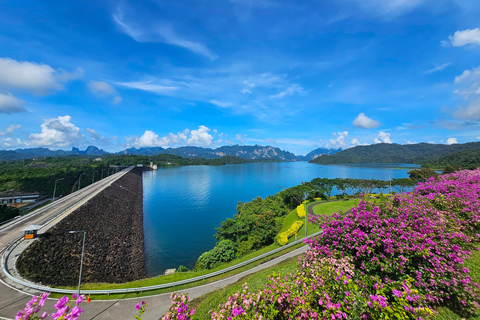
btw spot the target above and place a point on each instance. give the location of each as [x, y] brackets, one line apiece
[422, 175]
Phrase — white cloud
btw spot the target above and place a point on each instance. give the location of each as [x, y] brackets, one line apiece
[364, 122]
[221, 104]
[164, 34]
[437, 68]
[240, 139]
[148, 86]
[294, 88]
[383, 137]
[200, 137]
[340, 140]
[464, 37]
[469, 89]
[37, 78]
[170, 37]
[10, 129]
[452, 141]
[56, 132]
[101, 88]
[65, 76]
[11, 104]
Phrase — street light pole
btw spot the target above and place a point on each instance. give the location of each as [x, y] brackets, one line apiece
[102, 173]
[55, 188]
[81, 261]
[93, 176]
[79, 180]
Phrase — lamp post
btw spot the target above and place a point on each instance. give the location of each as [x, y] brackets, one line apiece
[93, 176]
[79, 180]
[102, 173]
[55, 188]
[81, 261]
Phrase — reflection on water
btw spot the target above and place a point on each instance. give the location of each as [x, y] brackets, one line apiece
[184, 205]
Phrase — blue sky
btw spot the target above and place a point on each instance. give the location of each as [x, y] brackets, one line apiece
[292, 74]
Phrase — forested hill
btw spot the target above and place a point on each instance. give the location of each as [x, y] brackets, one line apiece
[468, 159]
[395, 153]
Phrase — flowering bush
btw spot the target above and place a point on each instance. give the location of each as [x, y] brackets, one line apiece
[282, 238]
[178, 308]
[301, 211]
[380, 261]
[64, 309]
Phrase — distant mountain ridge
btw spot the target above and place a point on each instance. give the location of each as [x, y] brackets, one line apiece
[394, 153]
[19, 154]
[244, 152]
[316, 153]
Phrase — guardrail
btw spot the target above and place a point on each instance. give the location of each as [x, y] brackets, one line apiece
[140, 289]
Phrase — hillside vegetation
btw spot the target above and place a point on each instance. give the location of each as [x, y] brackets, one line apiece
[469, 159]
[395, 153]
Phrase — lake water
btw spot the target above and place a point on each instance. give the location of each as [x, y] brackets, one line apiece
[184, 205]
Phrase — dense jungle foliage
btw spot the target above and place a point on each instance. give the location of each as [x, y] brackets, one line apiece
[7, 213]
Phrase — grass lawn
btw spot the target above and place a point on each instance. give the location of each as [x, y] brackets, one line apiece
[254, 281]
[330, 208]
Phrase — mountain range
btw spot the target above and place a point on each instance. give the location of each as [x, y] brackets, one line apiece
[377, 153]
[244, 152]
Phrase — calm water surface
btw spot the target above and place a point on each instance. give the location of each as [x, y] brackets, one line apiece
[184, 205]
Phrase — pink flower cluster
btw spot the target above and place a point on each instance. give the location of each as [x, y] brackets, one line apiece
[178, 308]
[64, 309]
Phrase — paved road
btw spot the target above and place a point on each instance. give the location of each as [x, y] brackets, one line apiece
[11, 300]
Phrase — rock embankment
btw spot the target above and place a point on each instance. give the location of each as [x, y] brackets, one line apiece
[113, 221]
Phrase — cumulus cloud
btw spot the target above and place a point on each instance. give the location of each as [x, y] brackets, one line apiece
[383, 137]
[11, 104]
[452, 141]
[464, 37]
[31, 76]
[56, 132]
[339, 140]
[10, 129]
[200, 137]
[364, 122]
